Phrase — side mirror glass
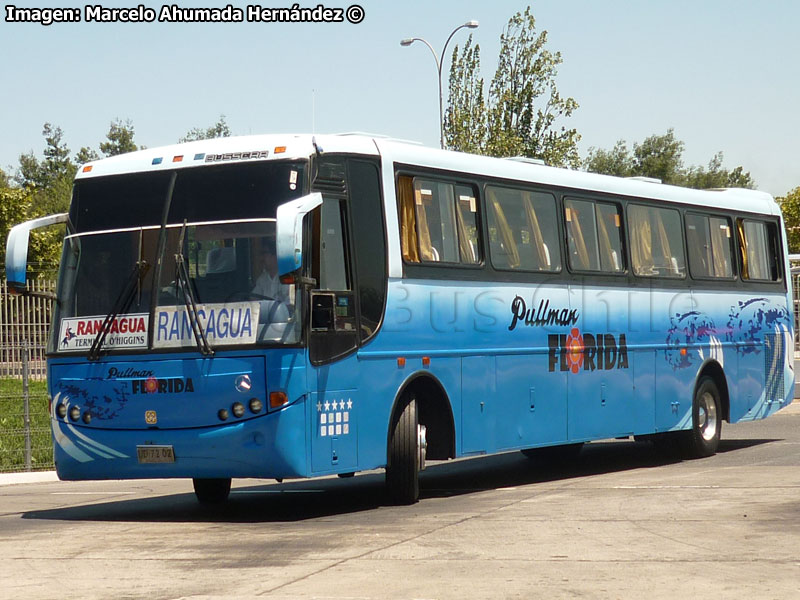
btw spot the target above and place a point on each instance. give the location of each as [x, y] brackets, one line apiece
[289, 231]
[17, 248]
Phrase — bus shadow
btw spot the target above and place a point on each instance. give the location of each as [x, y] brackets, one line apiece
[315, 498]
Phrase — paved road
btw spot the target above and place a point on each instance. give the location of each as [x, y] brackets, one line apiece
[621, 522]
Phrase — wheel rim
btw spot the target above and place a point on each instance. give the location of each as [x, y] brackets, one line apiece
[422, 445]
[707, 420]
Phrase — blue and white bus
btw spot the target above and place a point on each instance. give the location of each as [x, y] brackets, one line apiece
[288, 306]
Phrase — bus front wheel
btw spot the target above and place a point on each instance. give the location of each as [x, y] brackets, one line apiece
[212, 491]
[703, 439]
[406, 455]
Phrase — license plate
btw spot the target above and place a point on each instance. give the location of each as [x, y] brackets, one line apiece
[155, 454]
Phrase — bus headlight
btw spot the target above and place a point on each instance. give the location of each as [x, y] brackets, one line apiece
[87, 417]
[256, 405]
[61, 411]
[238, 409]
[75, 413]
[223, 414]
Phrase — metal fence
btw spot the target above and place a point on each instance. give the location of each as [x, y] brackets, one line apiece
[25, 443]
[24, 323]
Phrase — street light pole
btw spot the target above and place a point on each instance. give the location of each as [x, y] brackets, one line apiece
[438, 59]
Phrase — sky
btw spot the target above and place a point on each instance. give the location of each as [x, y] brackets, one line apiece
[724, 74]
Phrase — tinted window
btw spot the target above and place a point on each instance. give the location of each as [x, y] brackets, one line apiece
[708, 240]
[594, 236]
[656, 242]
[523, 234]
[229, 192]
[368, 242]
[759, 250]
[119, 201]
[438, 221]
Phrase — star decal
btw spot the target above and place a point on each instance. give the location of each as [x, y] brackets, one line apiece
[327, 405]
[349, 404]
[319, 406]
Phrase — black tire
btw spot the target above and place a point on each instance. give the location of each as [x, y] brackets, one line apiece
[554, 454]
[212, 491]
[404, 460]
[703, 439]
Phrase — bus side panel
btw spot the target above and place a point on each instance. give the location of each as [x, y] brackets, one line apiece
[672, 321]
[533, 402]
[601, 399]
[480, 404]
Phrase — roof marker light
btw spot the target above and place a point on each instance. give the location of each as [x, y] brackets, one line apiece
[87, 168]
[280, 149]
[200, 156]
[178, 158]
[157, 161]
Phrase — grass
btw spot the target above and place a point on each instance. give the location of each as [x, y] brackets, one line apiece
[12, 426]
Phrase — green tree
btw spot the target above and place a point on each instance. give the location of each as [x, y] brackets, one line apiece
[465, 126]
[43, 187]
[14, 206]
[790, 206]
[120, 138]
[661, 156]
[85, 155]
[217, 130]
[523, 108]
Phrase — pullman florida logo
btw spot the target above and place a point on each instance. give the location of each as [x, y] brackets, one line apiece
[587, 351]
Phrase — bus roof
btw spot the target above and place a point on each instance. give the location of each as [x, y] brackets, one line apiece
[301, 146]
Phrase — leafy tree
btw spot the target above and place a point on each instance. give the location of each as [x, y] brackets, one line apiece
[43, 187]
[4, 180]
[661, 156]
[120, 138]
[523, 106]
[85, 155]
[14, 206]
[790, 206]
[217, 130]
[55, 165]
[465, 125]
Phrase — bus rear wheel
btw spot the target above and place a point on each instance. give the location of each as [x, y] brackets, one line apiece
[406, 455]
[212, 491]
[703, 439]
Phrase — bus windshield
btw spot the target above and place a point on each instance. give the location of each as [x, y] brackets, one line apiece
[122, 263]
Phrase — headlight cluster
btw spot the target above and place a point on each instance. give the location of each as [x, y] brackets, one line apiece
[238, 409]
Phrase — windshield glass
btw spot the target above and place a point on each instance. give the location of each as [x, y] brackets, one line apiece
[232, 278]
[227, 243]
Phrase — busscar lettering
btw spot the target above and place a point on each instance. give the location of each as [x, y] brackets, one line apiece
[43, 16]
[543, 316]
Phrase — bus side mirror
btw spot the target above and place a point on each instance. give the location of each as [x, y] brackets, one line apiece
[289, 231]
[17, 249]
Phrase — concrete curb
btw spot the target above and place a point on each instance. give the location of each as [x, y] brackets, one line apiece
[35, 477]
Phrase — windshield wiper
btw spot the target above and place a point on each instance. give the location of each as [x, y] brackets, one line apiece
[121, 305]
[185, 286]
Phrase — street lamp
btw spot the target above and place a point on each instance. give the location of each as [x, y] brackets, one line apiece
[438, 59]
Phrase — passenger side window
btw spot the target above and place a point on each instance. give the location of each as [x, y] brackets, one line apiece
[656, 242]
[439, 221]
[759, 250]
[594, 236]
[708, 240]
[523, 232]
